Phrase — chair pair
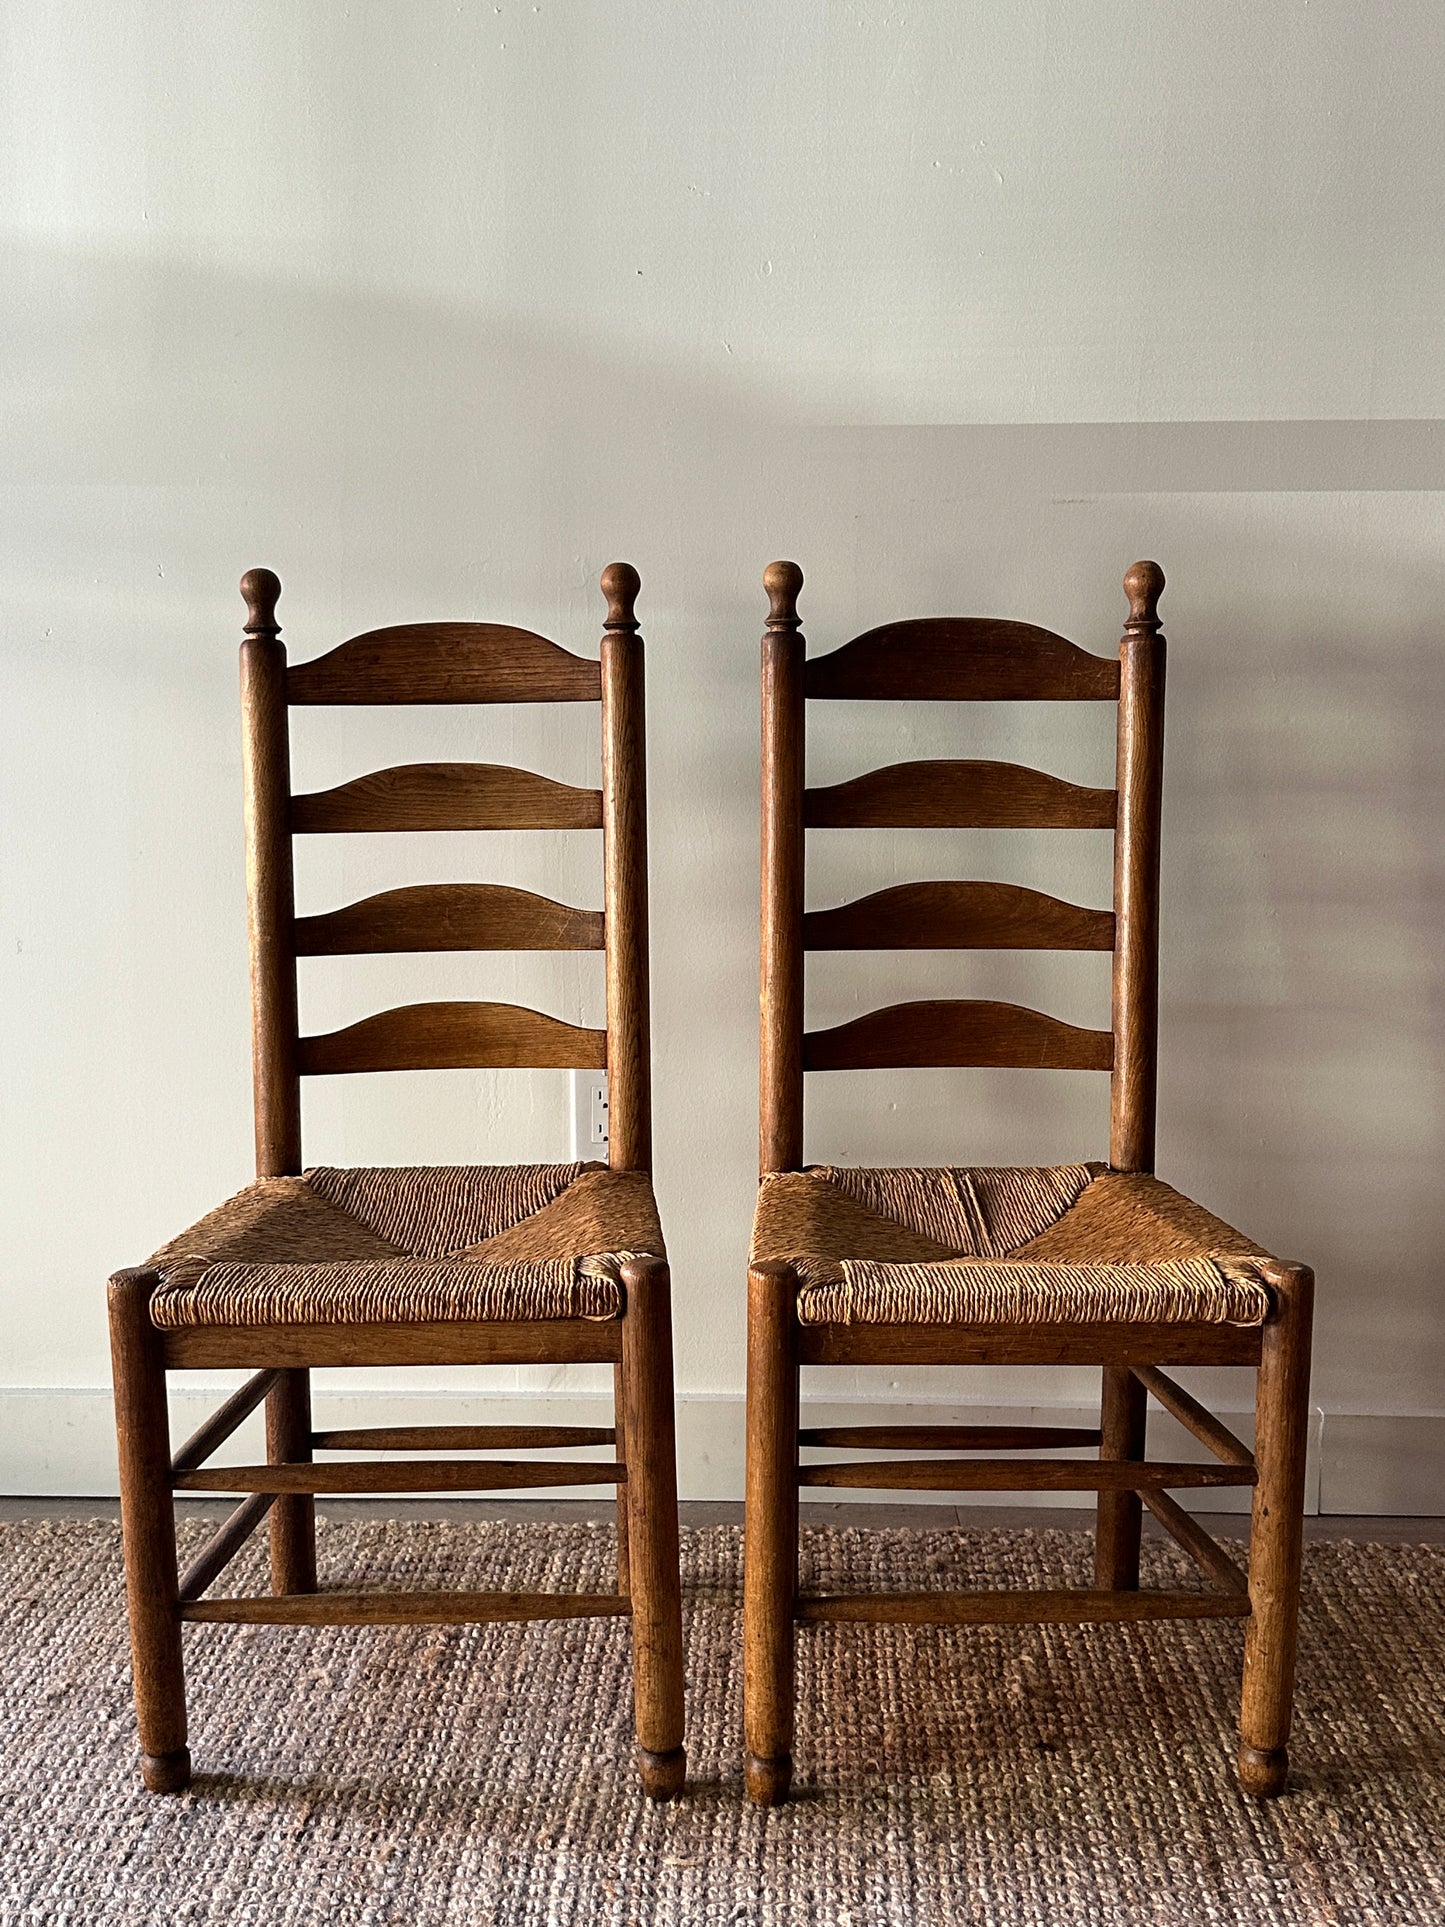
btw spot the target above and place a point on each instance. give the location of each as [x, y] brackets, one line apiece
[1087, 1263]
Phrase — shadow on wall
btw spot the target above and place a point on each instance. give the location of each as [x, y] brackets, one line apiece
[397, 462]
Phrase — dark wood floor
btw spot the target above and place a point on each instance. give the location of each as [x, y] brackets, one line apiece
[977, 1518]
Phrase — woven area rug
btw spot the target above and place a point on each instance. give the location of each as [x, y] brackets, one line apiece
[1049, 1777]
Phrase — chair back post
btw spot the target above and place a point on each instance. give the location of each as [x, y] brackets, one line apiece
[1139, 783]
[270, 893]
[781, 1083]
[624, 831]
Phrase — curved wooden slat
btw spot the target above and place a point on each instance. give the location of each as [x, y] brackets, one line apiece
[958, 916]
[437, 1037]
[449, 916]
[963, 659]
[448, 796]
[446, 662]
[957, 1034]
[958, 795]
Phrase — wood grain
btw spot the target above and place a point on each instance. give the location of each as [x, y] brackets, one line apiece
[1193, 1416]
[1207, 1553]
[445, 662]
[416, 1475]
[224, 1543]
[624, 794]
[958, 916]
[552, 1341]
[958, 795]
[453, 1036]
[449, 916]
[1140, 781]
[447, 796]
[962, 659]
[1276, 1538]
[222, 1423]
[652, 1529]
[1063, 1608]
[1028, 1344]
[270, 893]
[459, 1438]
[780, 1098]
[1119, 1516]
[957, 1033]
[948, 1438]
[770, 1562]
[1014, 1475]
[148, 1531]
[406, 1608]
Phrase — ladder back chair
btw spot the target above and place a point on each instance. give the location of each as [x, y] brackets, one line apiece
[1094, 1263]
[468, 1265]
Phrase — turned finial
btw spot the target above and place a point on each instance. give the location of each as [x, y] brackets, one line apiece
[262, 591]
[620, 584]
[783, 581]
[1144, 584]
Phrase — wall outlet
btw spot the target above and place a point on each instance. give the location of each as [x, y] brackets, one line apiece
[589, 1117]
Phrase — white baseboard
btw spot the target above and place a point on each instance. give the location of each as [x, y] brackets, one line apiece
[59, 1442]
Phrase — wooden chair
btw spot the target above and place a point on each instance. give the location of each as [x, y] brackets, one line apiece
[466, 1266]
[1087, 1264]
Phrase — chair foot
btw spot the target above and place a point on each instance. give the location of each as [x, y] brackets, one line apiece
[1264, 1772]
[768, 1781]
[662, 1773]
[166, 1772]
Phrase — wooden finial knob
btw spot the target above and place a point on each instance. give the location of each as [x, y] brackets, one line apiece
[262, 591]
[783, 582]
[1144, 584]
[620, 584]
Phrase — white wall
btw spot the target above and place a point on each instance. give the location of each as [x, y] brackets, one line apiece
[436, 309]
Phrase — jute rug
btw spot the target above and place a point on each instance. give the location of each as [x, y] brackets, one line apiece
[1047, 1777]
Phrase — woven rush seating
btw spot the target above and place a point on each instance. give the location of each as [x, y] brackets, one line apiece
[1074, 1243]
[411, 1246]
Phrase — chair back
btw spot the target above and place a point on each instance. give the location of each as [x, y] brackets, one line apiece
[445, 662]
[962, 659]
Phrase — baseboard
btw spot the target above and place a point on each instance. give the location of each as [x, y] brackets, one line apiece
[58, 1442]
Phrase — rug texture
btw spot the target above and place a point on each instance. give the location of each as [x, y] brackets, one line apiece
[1044, 1777]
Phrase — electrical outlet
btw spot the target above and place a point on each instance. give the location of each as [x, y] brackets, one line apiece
[589, 1117]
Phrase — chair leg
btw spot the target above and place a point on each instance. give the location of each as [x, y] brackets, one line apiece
[293, 1517]
[619, 1420]
[1120, 1515]
[148, 1527]
[1276, 1535]
[651, 1489]
[770, 1565]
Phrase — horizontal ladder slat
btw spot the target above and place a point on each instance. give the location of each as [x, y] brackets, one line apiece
[959, 795]
[1020, 1475]
[1205, 1551]
[446, 662]
[460, 1438]
[1063, 1608]
[962, 659]
[223, 1422]
[948, 1438]
[223, 1545]
[966, 1033]
[414, 1475]
[407, 1608]
[958, 916]
[469, 1036]
[1194, 1417]
[449, 916]
[447, 796]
